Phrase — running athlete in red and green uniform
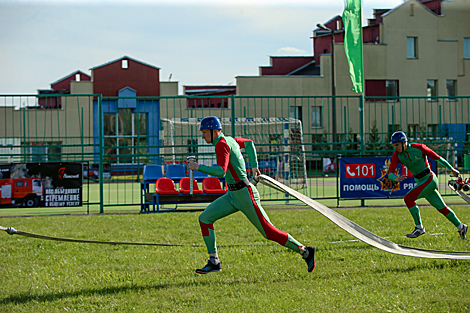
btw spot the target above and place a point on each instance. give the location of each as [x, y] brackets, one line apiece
[241, 196]
[414, 157]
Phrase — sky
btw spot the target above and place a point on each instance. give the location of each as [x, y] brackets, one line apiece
[198, 42]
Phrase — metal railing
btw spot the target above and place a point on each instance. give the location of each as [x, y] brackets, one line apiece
[119, 135]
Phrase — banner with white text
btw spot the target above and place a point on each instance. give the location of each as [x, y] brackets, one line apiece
[57, 184]
[362, 178]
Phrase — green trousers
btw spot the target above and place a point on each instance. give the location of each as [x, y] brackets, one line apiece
[427, 188]
[247, 201]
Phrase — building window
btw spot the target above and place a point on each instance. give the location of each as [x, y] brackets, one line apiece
[411, 47]
[125, 135]
[125, 64]
[296, 113]
[451, 89]
[317, 118]
[391, 89]
[207, 103]
[431, 90]
[466, 48]
[377, 89]
[411, 10]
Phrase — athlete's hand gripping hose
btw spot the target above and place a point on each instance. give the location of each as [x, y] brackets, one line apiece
[191, 158]
[255, 179]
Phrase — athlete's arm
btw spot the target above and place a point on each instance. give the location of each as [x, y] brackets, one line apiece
[434, 156]
[393, 165]
[222, 151]
[446, 164]
[250, 150]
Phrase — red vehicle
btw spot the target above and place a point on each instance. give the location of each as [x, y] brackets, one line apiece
[21, 191]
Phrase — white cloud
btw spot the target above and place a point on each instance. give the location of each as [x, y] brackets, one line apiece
[291, 50]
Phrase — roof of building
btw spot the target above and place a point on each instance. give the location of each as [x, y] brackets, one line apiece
[69, 75]
[124, 58]
[422, 3]
[329, 21]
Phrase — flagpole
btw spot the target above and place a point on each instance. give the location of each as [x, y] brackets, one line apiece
[353, 47]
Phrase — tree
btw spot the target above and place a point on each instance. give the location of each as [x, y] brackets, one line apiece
[375, 140]
[352, 139]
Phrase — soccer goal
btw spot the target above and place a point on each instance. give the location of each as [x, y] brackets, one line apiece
[279, 144]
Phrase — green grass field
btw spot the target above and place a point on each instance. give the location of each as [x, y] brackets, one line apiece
[258, 275]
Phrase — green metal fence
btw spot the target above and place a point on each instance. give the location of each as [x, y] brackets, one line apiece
[116, 137]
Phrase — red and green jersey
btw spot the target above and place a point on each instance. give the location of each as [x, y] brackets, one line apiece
[230, 161]
[415, 158]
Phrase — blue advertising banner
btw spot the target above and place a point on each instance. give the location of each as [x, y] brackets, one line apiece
[361, 178]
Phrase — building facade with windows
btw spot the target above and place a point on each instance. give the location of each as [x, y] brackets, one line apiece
[417, 49]
[65, 119]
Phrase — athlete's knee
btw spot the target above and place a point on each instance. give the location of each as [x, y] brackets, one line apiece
[206, 218]
[205, 228]
[410, 201]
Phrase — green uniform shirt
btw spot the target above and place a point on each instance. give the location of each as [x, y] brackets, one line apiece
[230, 161]
[415, 159]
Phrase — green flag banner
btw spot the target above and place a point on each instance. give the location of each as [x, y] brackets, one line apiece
[352, 17]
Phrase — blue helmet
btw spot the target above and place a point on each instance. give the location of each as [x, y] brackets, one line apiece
[210, 122]
[398, 137]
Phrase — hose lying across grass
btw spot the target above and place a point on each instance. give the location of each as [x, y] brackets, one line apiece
[341, 221]
[362, 233]
[12, 231]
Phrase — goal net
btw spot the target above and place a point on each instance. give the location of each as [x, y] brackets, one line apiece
[279, 146]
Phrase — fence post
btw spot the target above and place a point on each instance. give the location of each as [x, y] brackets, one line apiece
[362, 131]
[337, 160]
[232, 114]
[100, 132]
[361, 122]
[24, 137]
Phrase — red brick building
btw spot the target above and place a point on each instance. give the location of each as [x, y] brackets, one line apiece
[111, 77]
[61, 86]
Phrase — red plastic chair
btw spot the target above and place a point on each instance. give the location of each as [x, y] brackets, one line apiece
[185, 186]
[165, 186]
[211, 185]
